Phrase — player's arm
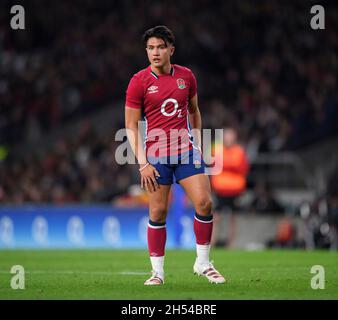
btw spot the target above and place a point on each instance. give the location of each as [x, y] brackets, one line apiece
[195, 120]
[132, 118]
[147, 171]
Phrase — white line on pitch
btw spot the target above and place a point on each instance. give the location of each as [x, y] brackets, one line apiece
[100, 273]
[131, 273]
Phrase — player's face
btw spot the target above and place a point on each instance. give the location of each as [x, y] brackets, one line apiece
[159, 52]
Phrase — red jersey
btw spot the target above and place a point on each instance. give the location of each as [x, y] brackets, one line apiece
[164, 100]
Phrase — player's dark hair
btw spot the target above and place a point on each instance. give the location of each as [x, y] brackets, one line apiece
[161, 32]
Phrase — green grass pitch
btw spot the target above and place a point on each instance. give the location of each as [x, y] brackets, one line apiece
[119, 274]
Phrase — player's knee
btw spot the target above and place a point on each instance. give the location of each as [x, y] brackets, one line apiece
[203, 206]
[158, 214]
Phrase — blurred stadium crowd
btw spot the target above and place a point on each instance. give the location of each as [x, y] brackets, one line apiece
[260, 67]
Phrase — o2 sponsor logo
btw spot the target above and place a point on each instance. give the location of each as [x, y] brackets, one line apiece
[142, 229]
[111, 230]
[75, 230]
[173, 112]
[6, 231]
[40, 230]
[187, 236]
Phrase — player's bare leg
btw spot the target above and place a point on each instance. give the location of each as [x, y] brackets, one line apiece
[198, 190]
[158, 209]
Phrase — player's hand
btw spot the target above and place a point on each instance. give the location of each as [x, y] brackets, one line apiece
[148, 178]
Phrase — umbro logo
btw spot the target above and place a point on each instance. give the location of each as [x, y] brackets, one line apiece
[153, 89]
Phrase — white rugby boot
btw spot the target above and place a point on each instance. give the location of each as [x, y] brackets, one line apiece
[154, 280]
[208, 271]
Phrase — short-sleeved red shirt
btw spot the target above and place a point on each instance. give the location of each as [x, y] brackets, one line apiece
[164, 100]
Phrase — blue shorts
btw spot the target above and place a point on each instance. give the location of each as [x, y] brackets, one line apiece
[181, 166]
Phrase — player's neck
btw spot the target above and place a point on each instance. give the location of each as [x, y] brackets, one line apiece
[164, 70]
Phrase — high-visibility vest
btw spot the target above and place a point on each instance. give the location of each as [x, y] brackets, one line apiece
[232, 180]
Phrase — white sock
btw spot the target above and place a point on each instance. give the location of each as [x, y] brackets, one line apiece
[157, 264]
[202, 253]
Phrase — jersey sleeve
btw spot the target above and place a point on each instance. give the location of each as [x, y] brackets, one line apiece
[193, 86]
[134, 94]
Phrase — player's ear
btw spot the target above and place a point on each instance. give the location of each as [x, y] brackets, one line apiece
[172, 49]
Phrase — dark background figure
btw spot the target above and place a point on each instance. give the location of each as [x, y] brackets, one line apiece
[264, 201]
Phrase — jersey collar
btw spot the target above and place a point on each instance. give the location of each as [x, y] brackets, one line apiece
[172, 71]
